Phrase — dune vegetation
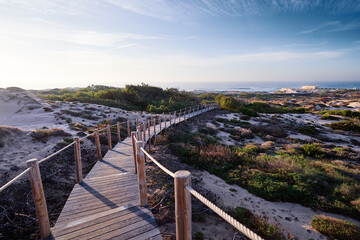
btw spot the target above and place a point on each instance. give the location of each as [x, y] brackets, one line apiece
[132, 97]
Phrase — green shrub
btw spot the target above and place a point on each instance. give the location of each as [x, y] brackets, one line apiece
[346, 125]
[247, 111]
[312, 150]
[258, 224]
[327, 116]
[308, 130]
[42, 135]
[343, 112]
[334, 228]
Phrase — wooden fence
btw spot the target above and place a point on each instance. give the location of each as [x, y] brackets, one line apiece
[142, 135]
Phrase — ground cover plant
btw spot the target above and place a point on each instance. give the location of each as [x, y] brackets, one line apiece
[335, 228]
[301, 174]
[254, 108]
[346, 125]
[342, 112]
[258, 224]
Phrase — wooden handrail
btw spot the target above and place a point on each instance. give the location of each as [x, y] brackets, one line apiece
[139, 161]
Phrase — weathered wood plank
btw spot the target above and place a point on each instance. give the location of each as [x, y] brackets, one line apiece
[106, 204]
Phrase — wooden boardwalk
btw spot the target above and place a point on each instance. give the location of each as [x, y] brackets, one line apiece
[106, 204]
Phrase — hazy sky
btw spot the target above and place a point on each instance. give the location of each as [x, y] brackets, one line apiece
[187, 44]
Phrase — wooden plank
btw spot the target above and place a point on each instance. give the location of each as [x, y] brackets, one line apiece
[152, 234]
[89, 227]
[78, 223]
[105, 205]
[127, 232]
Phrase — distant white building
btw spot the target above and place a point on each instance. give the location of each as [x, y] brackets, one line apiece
[309, 87]
[289, 90]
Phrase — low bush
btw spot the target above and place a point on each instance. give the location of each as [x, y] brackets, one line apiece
[343, 112]
[247, 111]
[78, 126]
[308, 130]
[43, 135]
[258, 224]
[327, 116]
[346, 125]
[312, 150]
[288, 176]
[335, 228]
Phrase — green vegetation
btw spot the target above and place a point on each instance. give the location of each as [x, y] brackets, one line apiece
[43, 135]
[140, 97]
[335, 229]
[287, 175]
[258, 224]
[308, 130]
[313, 150]
[346, 125]
[252, 109]
[343, 112]
[327, 116]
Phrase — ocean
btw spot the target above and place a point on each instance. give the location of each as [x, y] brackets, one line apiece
[271, 87]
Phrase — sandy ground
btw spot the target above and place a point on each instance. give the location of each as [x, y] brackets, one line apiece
[294, 218]
[25, 112]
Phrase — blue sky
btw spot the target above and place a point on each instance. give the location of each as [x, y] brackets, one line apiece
[186, 44]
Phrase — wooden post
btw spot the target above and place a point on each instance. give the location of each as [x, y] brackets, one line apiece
[170, 118]
[128, 127]
[141, 174]
[98, 147]
[182, 205]
[144, 131]
[165, 120]
[154, 124]
[138, 135]
[77, 153]
[109, 136]
[137, 123]
[149, 142]
[118, 131]
[39, 198]
[175, 117]
[154, 131]
[133, 134]
[160, 122]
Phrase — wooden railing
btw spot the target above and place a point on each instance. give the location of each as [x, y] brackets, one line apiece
[138, 140]
[182, 185]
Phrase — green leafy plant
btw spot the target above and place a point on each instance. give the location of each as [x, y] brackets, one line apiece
[346, 125]
[334, 228]
[308, 130]
[313, 150]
